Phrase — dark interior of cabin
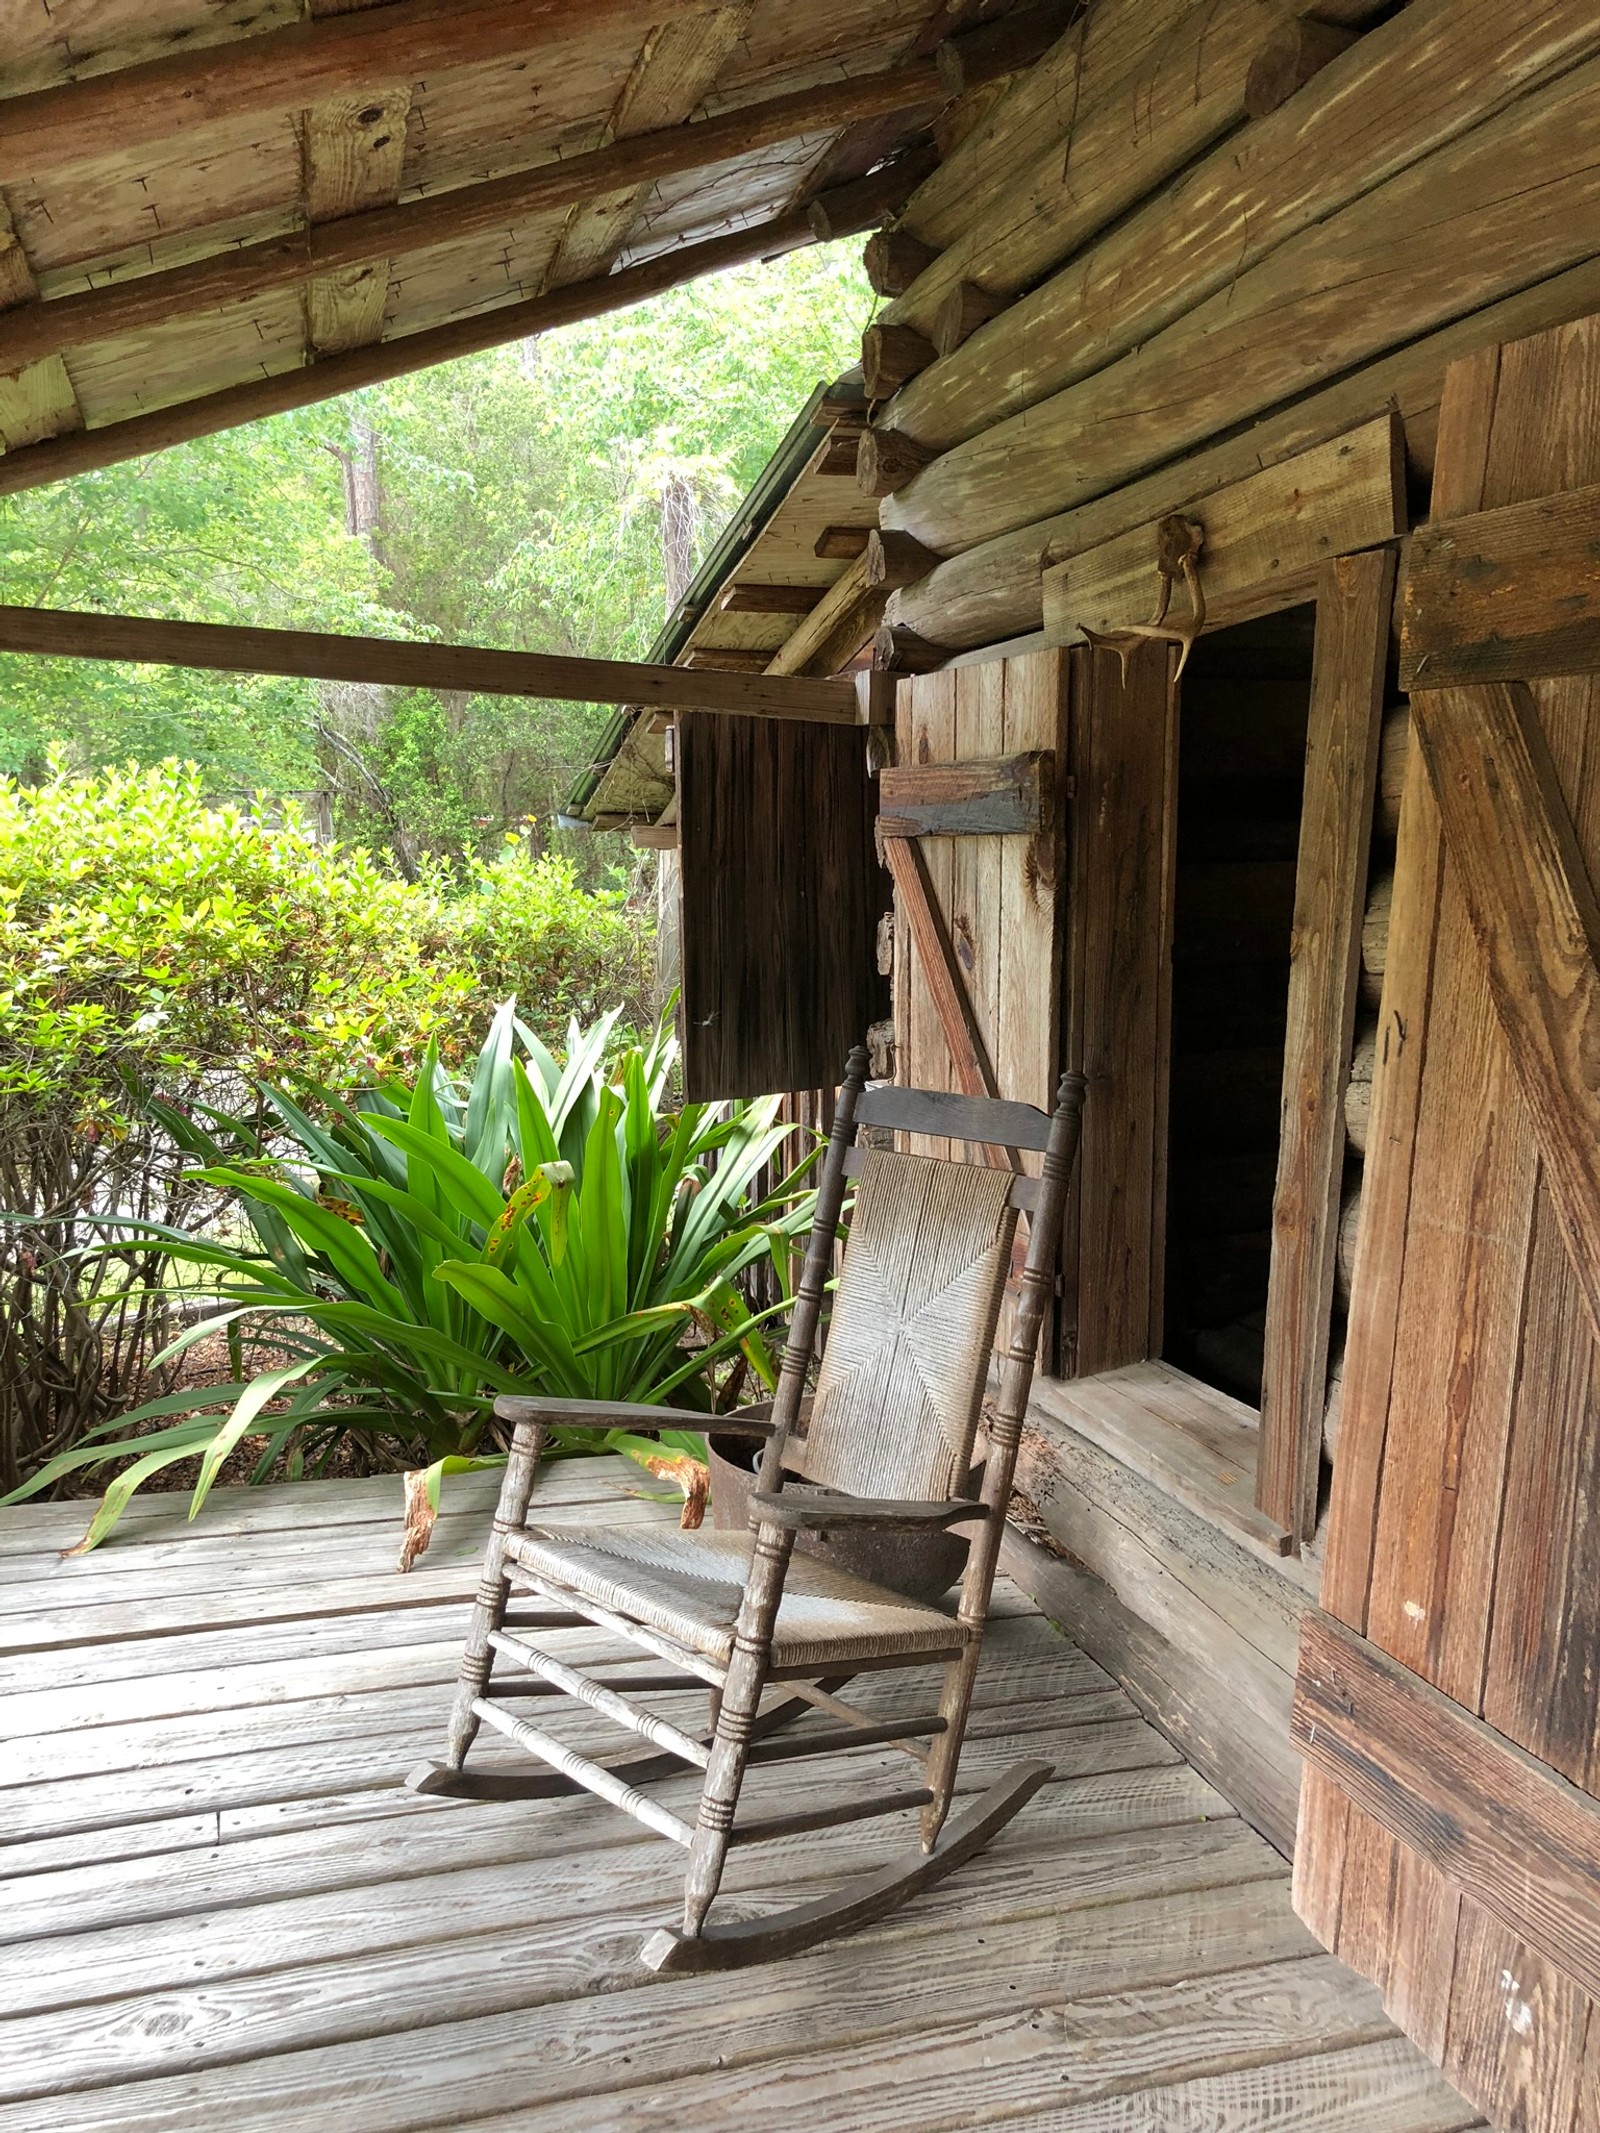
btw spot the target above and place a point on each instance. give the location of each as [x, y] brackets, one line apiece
[1246, 699]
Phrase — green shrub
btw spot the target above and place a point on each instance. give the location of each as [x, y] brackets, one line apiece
[152, 944]
[543, 1229]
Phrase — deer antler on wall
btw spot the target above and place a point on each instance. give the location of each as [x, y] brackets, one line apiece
[1179, 541]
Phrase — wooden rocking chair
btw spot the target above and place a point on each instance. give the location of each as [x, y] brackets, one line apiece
[886, 1446]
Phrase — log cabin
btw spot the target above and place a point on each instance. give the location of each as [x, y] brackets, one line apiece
[1171, 659]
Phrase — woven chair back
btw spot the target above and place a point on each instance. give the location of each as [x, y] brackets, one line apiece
[907, 1359]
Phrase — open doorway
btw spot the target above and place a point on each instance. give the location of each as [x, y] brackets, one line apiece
[1246, 700]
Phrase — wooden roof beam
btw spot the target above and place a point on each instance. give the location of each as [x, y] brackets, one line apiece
[32, 331]
[286, 69]
[393, 663]
[249, 401]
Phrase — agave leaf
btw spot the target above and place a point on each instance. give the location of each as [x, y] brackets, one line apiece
[249, 1404]
[466, 1190]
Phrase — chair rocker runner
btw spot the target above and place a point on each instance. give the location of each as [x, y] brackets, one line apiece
[885, 1445]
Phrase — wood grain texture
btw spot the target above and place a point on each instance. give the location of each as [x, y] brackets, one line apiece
[782, 895]
[1463, 1537]
[1122, 766]
[1537, 921]
[1504, 595]
[1355, 600]
[1406, 90]
[227, 649]
[1492, 1818]
[283, 70]
[1266, 539]
[1444, 235]
[1006, 796]
[991, 591]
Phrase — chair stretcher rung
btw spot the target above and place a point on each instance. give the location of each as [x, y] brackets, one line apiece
[892, 1730]
[652, 1640]
[762, 1829]
[592, 1776]
[606, 1701]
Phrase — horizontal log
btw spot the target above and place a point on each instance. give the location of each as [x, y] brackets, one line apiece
[1504, 595]
[1265, 539]
[1036, 112]
[893, 259]
[842, 455]
[1515, 200]
[841, 543]
[1015, 41]
[887, 459]
[1439, 69]
[890, 355]
[85, 450]
[287, 69]
[896, 650]
[752, 599]
[730, 658]
[992, 592]
[963, 311]
[1297, 55]
[861, 203]
[1006, 796]
[392, 663]
[896, 559]
[1492, 1819]
[30, 332]
[1129, 132]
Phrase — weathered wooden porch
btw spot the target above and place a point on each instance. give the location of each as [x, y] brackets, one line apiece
[219, 1907]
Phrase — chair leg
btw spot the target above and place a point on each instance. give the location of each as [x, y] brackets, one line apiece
[494, 1591]
[736, 1721]
[944, 1755]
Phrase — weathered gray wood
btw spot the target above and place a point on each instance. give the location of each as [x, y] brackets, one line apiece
[1009, 797]
[1224, 1901]
[1503, 595]
[1498, 1822]
[957, 1118]
[395, 663]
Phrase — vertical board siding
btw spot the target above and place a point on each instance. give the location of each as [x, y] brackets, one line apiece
[1465, 1530]
[782, 893]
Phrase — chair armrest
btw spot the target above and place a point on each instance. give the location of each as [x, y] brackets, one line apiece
[600, 1415]
[806, 1511]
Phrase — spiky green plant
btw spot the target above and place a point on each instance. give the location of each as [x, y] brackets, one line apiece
[548, 1228]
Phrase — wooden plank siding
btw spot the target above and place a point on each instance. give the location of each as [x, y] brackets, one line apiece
[1465, 1537]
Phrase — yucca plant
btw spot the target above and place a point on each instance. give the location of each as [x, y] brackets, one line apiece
[549, 1228]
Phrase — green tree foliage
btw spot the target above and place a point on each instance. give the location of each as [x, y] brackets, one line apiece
[513, 499]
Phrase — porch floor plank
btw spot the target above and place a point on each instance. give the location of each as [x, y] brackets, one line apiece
[218, 1907]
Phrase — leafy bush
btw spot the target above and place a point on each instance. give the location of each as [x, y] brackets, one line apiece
[152, 943]
[546, 1228]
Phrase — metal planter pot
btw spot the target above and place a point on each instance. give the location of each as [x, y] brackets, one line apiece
[921, 1565]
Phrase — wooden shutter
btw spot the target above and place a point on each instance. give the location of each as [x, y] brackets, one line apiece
[781, 897]
[1448, 1705]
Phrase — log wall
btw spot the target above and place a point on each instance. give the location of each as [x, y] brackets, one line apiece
[1166, 293]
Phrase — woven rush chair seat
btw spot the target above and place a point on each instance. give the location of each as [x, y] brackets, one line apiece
[886, 1445]
[689, 1585]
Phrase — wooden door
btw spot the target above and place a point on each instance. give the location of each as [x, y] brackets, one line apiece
[1448, 1702]
[993, 896]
